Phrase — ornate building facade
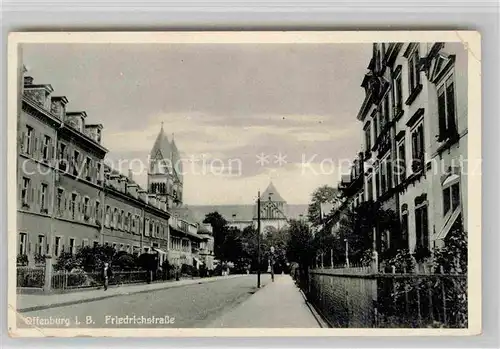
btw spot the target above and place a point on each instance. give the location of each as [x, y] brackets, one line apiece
[68, 199]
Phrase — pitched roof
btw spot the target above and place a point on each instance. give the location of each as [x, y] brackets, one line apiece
[272, 192]
[162, 144]
[243, 212]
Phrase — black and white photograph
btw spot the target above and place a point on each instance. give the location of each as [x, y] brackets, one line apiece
[223, 182]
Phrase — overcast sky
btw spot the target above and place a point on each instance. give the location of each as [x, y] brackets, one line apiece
[225, 103]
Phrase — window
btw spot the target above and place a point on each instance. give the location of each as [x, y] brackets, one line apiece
[72, 246]
[368, 137]
[370, 188]
[398, 92]
[40, 248]
[404, 230]
[99, 173]
[74, 197]
[446, 109]
[76, 162]
[97, 211]
[86, 208]
[121, 247]
[413, 70]
[375, 124]
[43, 198]
[28, 140]
[25, 191]
[59, 200]
[128, 222]
[417, 140]
[383, 177]
[88, 165]
[85, 242]
[421, 226]
[57, 246]
[115, 218]
[23, 243]
[46, 151]
[107, 218]
[451, 198]
[62, 157]
[377, 184]
[122, 219]
[386, 110]
[151, 228]
[401, 169]
[146, 231]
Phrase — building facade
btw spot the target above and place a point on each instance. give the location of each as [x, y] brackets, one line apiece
[414, 120]
[275, 212]
[68, 199]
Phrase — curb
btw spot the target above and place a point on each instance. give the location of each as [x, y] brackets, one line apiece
[317, 316]
[87, 300]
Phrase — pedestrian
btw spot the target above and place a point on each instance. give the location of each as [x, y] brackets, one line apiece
[106, 274]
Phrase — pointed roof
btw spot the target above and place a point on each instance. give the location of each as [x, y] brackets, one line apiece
[161, 144]
[176, 159]
[273, 192]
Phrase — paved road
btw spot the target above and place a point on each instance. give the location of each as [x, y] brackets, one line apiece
[181, 307]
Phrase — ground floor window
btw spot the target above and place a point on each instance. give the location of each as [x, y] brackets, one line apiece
[23, 242]
[421, 227]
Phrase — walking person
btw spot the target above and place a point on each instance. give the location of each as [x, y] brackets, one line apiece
[106, 274]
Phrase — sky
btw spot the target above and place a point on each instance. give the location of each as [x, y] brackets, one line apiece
[241, 114]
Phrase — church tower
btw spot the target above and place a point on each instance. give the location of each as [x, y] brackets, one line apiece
[272, 210]
[165, 171]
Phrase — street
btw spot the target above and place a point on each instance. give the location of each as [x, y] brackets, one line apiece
[180, 307]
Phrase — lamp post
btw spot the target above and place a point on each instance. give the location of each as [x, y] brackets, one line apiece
[258, 240]
[346, 252]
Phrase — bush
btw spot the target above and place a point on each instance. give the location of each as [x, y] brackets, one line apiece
[187, 269]
[403, 261]
[22, 260]
[39, 259]
[125, 261]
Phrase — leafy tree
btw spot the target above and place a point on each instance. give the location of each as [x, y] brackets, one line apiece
[300, 249]
[219, 228]
[86, 258]
[321, 195]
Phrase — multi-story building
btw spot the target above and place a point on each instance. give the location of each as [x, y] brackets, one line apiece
[415, 122]
[69, 199]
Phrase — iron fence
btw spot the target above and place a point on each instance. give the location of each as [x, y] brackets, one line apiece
[360, 299]
[30, 277]
[64, 280]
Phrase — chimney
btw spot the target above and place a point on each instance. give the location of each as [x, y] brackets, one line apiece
[28, 80]
[143, 195]
[130, 175]
[58, 106]
[132, 189]
[123, 184]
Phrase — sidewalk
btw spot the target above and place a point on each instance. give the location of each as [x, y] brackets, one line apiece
[32, 302]
[277, 305]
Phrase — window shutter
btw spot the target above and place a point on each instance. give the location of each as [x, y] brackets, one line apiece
[441, 114]
[22, 142]
[34, 150]
[450, 108]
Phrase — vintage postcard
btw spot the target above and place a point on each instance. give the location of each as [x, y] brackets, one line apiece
[244, 183]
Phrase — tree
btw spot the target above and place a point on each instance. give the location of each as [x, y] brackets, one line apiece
[86, 258]
[219, 228]
[321, 195]
[299, 249]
